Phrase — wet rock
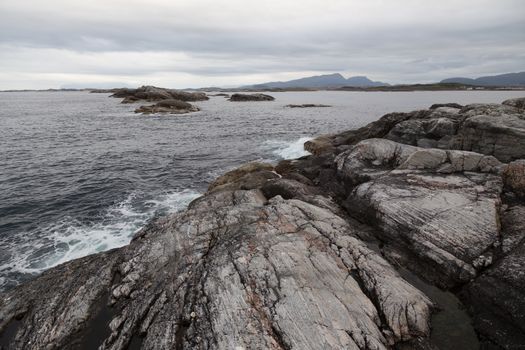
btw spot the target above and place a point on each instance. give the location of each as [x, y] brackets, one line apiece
[168, 106]
[250, 97]
[496, 300]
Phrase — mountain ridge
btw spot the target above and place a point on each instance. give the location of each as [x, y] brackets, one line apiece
[507, 79]
[337, 80]
[320, 81]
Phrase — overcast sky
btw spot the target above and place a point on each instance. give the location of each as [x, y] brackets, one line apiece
[195, 43]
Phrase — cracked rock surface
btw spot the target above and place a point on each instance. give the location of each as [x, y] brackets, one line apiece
[305, 254]
[234, 270]
[447, 219]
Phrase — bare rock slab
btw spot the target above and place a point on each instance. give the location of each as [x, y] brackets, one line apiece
[447, 220]
[233, 271]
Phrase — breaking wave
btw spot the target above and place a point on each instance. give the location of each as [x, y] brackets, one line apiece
[70, 239]
[286, 149]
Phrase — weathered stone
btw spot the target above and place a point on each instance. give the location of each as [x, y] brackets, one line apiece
[490, 129]
[447, 221]
[496, 300]
[233, 271]
[237, 174]
[329, 143]
[514, 177]
[513, 228]
[168, 106]
[152, 94]
[250, 97]
[502, 136]
[518, 103]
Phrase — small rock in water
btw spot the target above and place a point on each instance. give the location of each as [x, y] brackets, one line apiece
[250, 97]
[168, 106]
[307, 105]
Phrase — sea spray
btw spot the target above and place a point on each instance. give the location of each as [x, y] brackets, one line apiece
[287, 149]
[70, 239]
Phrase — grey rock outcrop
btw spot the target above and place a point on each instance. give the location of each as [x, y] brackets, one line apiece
[496, 300]
[490, 129]
[518, 103]
[154, 94]
[168, 107]
[250, 97]
[441, 206]
[234, 270]
[169, 101]
[514, 177]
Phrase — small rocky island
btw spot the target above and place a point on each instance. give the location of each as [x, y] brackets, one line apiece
[168, 101]
[314, 253]
[250, 97]
[170, 106]
[307, 105]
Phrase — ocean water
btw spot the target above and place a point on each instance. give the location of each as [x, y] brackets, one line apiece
[80, 173]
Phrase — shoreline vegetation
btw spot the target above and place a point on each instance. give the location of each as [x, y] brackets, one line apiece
[387, 236]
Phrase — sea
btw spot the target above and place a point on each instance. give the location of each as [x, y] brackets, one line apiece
[80, 172]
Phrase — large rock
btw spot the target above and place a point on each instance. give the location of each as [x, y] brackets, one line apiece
[330, 143]
[250, 97]
[440, 206]
[246, 177]
[518, 103]
[496, 301]
[497, 130]
[170, 106]
[153, 94]
[490, 129]
[233, 271]
[514, 177]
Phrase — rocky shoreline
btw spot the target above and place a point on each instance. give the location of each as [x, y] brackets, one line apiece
[314, 253]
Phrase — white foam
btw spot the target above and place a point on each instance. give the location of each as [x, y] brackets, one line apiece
[70, 239]
[174, 201]
[286, 149]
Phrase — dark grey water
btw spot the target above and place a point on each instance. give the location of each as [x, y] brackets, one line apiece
[80, 173]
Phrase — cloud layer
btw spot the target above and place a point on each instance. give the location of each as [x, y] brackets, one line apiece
[196, 43]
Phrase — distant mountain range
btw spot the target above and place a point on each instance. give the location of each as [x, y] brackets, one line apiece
[320, 81]
[509, 79]
[336, 80]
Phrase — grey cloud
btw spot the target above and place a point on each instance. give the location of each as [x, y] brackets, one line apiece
[401, 41]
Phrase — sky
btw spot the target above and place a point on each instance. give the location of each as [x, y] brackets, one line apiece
[198, 43]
